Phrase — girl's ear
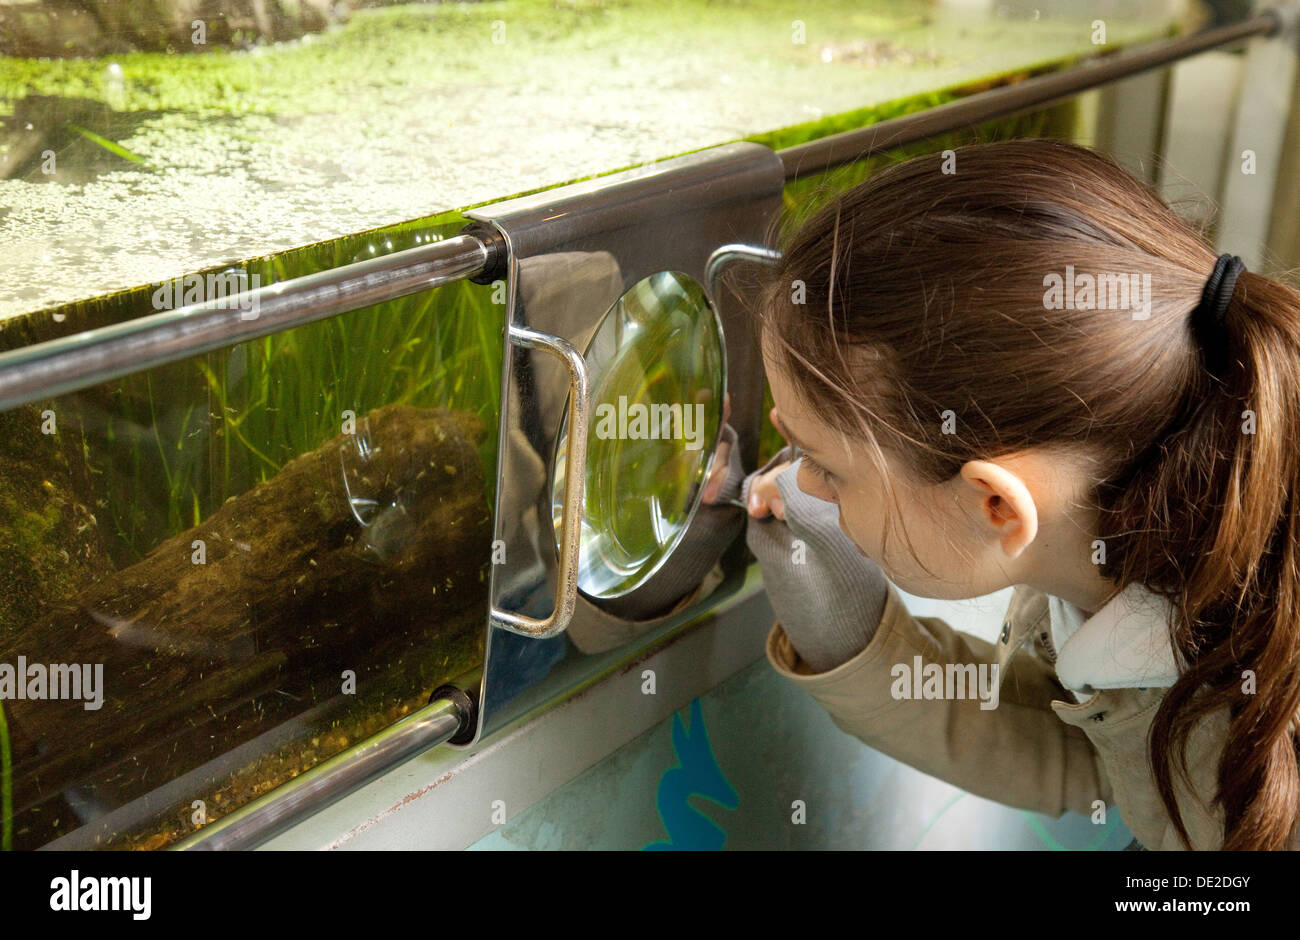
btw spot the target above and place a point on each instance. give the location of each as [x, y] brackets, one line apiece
[1004, 502]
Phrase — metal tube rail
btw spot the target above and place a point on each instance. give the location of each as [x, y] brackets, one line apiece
[436, 723]
[847, 147]
[43, 370]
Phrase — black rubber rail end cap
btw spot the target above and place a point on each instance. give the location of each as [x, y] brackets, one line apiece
[467, 704]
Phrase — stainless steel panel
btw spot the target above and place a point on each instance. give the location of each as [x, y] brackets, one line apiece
[572, 253]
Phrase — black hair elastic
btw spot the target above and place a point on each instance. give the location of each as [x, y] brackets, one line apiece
[1207, 318]
[1218, 289]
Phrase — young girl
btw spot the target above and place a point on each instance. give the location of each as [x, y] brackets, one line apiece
[1032, 372]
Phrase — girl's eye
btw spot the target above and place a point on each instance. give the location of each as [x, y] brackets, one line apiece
[821, 472]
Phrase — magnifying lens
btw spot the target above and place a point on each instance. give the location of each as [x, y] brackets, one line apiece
[657, 362]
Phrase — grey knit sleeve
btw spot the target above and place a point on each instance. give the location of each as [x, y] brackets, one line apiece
[827, 595]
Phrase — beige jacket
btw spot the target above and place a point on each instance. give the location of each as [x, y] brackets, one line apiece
[1035, 750]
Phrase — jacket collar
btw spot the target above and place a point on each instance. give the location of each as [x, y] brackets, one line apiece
[1125, 644]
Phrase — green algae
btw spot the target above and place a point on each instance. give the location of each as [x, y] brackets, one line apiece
[50, 544]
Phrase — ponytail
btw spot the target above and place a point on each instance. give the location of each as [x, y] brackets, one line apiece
[1213, 525]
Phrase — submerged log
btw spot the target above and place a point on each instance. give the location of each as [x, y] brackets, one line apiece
[372, 534]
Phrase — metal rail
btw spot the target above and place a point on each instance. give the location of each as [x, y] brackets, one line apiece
[52, 368]
[44, 370]
[436, 723]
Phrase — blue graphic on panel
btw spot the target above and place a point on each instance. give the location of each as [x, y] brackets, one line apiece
[696, 774]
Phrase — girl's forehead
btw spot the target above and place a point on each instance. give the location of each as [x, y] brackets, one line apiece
[805, 428]
[803, 425]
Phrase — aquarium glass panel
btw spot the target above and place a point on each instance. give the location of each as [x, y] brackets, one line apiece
[220, 572]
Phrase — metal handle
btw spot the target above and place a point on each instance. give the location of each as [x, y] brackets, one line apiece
[575, 473]
[728, 254]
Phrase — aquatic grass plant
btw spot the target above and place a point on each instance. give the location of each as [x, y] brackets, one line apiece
[284, 394]
[187, 436]
[103, 142]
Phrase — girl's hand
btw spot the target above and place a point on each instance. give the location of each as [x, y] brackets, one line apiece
[721, 462]
[764, 495]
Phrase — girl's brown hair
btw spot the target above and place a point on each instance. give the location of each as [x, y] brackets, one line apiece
[921, 292]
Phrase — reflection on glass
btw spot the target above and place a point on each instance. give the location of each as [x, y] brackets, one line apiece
[658, 374]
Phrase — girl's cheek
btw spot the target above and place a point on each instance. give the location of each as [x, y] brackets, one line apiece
[860, 522]
[853, 527]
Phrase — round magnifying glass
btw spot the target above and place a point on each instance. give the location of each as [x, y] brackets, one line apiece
[658, 376]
